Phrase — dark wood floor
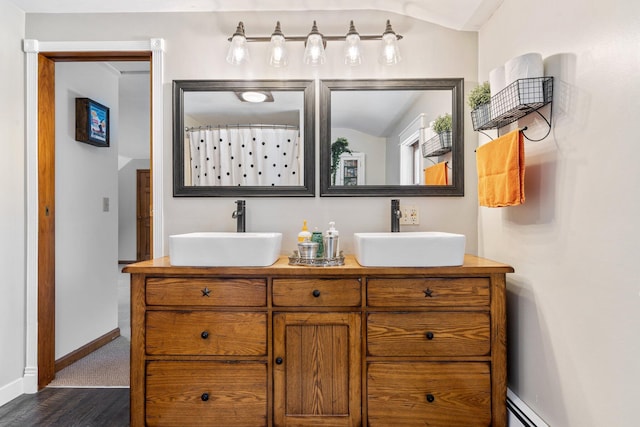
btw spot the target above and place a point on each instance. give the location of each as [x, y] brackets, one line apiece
[68, 407]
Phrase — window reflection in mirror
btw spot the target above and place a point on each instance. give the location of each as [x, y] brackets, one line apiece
[226, 145]
[377, 137]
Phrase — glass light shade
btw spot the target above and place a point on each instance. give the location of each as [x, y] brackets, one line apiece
[352, 55]
[314, 51]
[278, 53]
[389, 53]
[238, 51]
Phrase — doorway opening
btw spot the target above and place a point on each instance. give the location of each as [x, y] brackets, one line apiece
[46, 202]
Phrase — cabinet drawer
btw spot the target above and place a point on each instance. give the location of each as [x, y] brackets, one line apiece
[433, 394]
[206, 394]
[317, 292]
[428, 334]
[206, 333]
[206, 292]
[428, 292]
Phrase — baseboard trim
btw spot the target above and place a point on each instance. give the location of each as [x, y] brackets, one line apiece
[525, 416]
[86, 349]
[11, 390]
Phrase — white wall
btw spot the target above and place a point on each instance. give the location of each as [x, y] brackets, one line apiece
[134, 145]
[12, 202]
[86, 236]
[134, 135]
[196, 45]
[574, 302]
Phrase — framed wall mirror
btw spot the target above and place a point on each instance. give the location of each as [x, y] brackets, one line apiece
[377, 137]
[243, 138]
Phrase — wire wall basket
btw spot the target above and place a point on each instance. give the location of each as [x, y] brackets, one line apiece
[520, 98]
[438, 145]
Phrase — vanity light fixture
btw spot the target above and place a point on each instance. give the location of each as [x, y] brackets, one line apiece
[238, 51]
[352, 54]
[314, 47]
[315, 44]
[278, 52]
[389, 53]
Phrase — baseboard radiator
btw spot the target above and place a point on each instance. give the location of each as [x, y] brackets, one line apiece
[520, 415]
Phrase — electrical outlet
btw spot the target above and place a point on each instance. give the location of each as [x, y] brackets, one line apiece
[105, 204]
[409, 215]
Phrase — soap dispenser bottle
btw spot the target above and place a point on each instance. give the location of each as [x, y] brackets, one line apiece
[331, 241]
[304, 234]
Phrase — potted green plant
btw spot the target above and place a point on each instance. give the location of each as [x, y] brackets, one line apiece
[339, 147]
[442, 123]
[442, 126]
[480, 103]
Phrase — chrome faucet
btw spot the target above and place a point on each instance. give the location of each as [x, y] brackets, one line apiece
[240, 214]
[396, 214]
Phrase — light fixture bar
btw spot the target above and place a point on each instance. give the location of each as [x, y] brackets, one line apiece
[304, 38]
[315, 44]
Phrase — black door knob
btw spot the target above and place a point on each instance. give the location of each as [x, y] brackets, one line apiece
[430, 398]
[316, 293]
[204, 335]
[429, 335]
[278, 360]
[204, 397]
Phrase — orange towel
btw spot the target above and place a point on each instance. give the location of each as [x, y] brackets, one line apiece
[501, 171]
[436, 174]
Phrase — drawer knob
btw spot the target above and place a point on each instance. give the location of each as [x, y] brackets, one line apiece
[316, 293]
[428, 293]
[430, 398]
[204, 335]
[205, 292]
[429, 335]
[278, 360]
[204, 397]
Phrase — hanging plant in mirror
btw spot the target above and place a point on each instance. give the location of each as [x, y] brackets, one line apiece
[338, 148]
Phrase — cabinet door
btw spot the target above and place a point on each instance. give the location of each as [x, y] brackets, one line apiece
[316, 371]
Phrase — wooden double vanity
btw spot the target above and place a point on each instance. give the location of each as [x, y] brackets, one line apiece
[318, 346]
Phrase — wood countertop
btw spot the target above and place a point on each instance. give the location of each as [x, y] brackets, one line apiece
[473, 265]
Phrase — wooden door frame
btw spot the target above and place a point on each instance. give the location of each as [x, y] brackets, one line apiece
[139, 173]
[40, 313]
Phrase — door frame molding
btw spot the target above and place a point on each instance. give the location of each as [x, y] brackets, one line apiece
[139, 172]
[56, 49]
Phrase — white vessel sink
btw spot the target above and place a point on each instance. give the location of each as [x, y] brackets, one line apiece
[410, 249]
[221, 249]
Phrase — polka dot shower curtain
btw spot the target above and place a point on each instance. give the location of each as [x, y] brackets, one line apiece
[244, 156]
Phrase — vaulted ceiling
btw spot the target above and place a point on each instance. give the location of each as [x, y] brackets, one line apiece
[468, 15]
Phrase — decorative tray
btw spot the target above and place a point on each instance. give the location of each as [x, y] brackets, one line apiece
[316, 262]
